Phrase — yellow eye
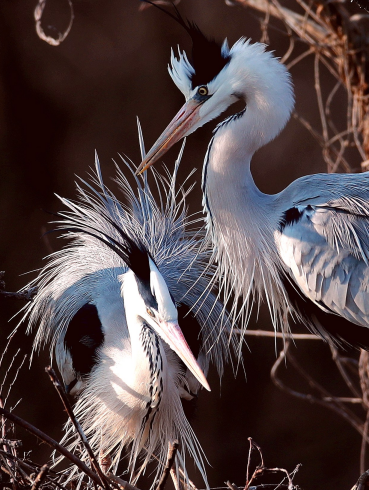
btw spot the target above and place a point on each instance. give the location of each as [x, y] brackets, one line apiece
[203, 90]
[151, 313]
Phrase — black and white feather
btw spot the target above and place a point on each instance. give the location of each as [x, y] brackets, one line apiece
[128, 381]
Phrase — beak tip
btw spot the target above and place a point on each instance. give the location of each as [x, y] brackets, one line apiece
[204, 382]
[142, 168]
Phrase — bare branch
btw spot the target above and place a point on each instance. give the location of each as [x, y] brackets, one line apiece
[172, 450]
[51, 442]
[40, 477]
[121, 483]
[53, 41]
[11, 443]
[278, 335]
[77, 425]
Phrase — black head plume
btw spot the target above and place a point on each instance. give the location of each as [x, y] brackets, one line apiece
[133, 253]
[207, 58]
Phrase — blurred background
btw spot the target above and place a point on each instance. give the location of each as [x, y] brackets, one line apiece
[59, 104]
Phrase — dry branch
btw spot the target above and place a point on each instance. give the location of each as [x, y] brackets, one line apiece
[261, 469]
[59, 38]
[121, 483]
[172, 451]
[69, 410]
[51, 442]
[276, 335]
[27, 294]
[338, 41]
[40, 477]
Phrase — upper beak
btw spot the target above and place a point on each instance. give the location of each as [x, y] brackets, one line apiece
[176, 129]
[173, 336]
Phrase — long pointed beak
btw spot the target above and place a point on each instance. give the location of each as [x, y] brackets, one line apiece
[176, 129]
[173, 336]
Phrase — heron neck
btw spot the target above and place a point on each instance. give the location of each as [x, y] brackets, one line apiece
[228, 185]
[241, 220]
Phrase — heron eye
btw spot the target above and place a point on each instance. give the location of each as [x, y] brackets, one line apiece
[150, 312]
[203, 90]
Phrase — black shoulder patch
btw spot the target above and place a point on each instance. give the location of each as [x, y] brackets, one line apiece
[84, 336]
[290, 217]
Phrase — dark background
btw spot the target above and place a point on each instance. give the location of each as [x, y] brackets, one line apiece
[59, 104]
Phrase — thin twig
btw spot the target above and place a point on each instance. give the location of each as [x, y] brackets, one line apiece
[51, 442]
[278, 335]
[50, 371]
[40, 477]
[337, 359]
[333, 403]
[172, 450]
[364, 443]
[11, 443]
[53, 41]
[27, 294]
[121, 483]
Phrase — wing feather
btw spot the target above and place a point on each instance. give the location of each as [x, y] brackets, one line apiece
[325, 252]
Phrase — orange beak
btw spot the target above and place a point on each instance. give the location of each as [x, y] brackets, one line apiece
[184, 120]
[173, 336]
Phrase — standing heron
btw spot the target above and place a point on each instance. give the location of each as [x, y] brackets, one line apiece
[111, 304]
[305, 249]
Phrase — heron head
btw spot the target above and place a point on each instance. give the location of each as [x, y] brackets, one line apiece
[144, 289]
[216, 78]
[147, 295]
[204, 83]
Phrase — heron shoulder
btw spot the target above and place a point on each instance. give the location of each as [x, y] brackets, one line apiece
[322, 188]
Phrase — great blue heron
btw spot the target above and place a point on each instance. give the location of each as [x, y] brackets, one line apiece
[111, 303]
[305, 249]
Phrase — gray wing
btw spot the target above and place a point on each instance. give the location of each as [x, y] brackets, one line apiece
[325, 248]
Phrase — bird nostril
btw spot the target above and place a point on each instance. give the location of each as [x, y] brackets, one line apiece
[180, 115]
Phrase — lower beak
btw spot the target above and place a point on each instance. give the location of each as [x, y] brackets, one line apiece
[173, 336]
[176, 129]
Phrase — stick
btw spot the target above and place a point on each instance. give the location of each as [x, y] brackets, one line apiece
[55, 445]
[28, 294]
[76, 424]
[122, 483]
[11, 443]
[278, 335]
[40, 477]
[172, 450]
[231, 486]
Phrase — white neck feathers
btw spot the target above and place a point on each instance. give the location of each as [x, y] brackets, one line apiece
[240, 217]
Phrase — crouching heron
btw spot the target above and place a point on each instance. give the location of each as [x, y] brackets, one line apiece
[111, 304]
